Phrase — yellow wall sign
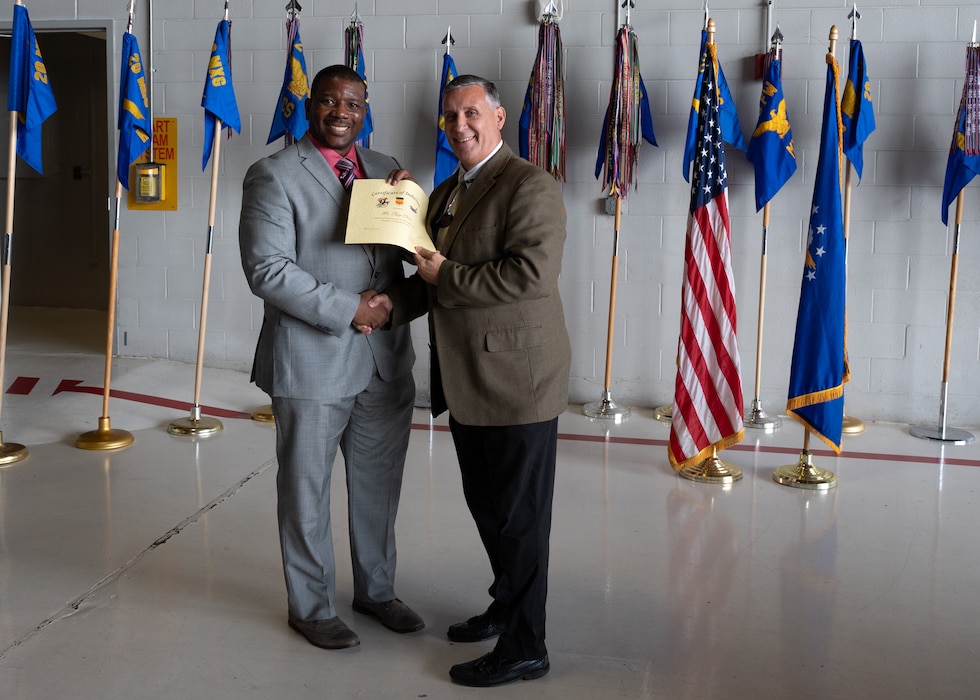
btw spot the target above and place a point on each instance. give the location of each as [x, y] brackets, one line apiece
[145, 192]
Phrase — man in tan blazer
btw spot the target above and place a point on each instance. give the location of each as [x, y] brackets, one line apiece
[500, 364]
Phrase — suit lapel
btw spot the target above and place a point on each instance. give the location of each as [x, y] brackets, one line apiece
[485, 180]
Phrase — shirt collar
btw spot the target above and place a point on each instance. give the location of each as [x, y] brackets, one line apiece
[469, 176]
[332, 156]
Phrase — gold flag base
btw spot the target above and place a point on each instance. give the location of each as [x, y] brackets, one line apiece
[664, 414]
[195, 425]
[264, 414]
[606, 409]
[11, 452]
[759, 420]
[712, 471]
[852, 426]
[104, 438]
[803, 475]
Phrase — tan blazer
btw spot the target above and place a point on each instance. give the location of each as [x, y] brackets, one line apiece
[499, 347]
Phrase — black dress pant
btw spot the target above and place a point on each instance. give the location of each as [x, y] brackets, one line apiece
[508, 475]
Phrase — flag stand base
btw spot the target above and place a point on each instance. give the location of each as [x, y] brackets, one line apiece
[104, 438]
[195, 425]
[712, 471]
[264, 414]
[758, 419]
[852, 426]
[11, 452]
[803, 475]
[664, 414]
[606, 409]
[953, 435]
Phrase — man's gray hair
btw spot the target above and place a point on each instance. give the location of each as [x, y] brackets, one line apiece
[461, 81]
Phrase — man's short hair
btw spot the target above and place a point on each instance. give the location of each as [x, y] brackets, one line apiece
[337, 72]
[461, 81]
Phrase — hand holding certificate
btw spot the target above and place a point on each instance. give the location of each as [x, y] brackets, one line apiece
[392, 214]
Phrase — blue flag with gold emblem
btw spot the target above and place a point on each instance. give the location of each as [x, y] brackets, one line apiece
[446, 161]
[964, 153]
[134, 109]
[819, 366]
[219, 93]
[771, 149]
[29, 92]
[290, 116]
[857, 110]
[731, 129]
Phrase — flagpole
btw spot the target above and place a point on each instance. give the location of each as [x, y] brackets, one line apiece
[803, 475]
[10, 452]
[105, 437]
[757, 417]
[852, 426]
[957, 436]
[197, 425]
[606, 408]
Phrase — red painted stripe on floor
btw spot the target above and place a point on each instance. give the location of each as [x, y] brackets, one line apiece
[765, 449]
[23, 385]
[74, 385]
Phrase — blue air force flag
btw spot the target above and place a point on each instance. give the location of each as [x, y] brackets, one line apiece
[446, 161]
[28, 92]
[134, 109]
[219, 93]
[771, 149]
[819, 366]
[964, 153]
[857, 111]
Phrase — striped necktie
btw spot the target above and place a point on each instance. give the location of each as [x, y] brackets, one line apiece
[345, 173]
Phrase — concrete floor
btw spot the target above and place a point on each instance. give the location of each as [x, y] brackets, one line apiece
[153, 571]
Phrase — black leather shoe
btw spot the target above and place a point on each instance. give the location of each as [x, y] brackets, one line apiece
[490, 670]
[486, 625]
[394, 615]
[326, 634]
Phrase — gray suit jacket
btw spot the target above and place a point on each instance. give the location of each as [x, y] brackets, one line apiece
[293, 222]
[500, 349]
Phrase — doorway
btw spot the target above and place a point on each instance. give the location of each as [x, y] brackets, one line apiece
[60, 244]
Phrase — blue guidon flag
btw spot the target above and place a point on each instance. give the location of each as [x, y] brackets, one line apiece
[219, 93]
[290, 117]
[29, 92]
[134, 109]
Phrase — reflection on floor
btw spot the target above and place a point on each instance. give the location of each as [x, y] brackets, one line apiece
[153, 571]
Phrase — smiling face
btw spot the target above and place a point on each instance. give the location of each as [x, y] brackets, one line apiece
[472, 124]
[336, 110]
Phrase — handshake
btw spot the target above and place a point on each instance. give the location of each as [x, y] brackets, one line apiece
[373, 311]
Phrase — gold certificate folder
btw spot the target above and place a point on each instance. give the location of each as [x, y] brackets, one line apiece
[392, 214]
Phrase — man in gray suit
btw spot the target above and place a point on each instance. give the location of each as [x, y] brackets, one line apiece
[500, 364]
[336, 378]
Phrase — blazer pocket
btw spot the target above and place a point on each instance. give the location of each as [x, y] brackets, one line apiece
[515, 338]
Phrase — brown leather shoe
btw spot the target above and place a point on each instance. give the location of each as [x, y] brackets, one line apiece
[326, 634]
[394, 615]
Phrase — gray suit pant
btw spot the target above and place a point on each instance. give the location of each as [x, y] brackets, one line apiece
[372, 430]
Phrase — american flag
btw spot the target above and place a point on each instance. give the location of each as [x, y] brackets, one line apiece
[707, 412]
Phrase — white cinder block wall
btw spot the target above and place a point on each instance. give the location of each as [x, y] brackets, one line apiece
[899, 251]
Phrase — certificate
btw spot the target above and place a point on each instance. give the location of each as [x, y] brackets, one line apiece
[392, 214]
